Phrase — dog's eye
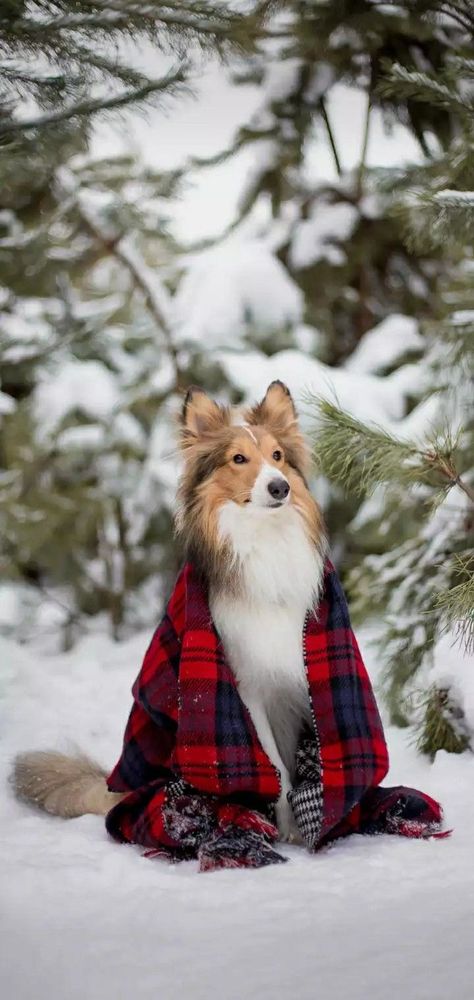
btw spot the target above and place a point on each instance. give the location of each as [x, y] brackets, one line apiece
[276, 455]
[239, 459]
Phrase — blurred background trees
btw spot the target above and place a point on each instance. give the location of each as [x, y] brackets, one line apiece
[348, 280]
[421, 485]
[83, 325]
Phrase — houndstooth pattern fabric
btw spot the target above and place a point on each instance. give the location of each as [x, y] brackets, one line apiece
[306, 798]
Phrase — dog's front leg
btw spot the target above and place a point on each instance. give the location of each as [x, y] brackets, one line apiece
[284, 815]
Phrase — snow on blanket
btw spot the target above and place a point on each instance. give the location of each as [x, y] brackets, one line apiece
[84, 917]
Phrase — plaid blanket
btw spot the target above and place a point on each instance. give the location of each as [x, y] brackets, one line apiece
[200, 784]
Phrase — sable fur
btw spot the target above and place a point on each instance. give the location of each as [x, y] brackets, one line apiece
[63, 786]
[209, 438]
[277, 413]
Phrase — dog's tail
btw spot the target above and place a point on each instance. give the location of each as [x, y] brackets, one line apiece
[63, 786]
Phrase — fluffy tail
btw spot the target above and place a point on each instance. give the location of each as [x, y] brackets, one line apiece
[63, 786]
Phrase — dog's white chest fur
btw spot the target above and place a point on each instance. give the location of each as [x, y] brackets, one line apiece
[264, 647]
[262, 630]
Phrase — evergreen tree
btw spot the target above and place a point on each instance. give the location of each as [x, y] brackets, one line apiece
[338, 239]
[89, 371]
[87, 359]
[72, 61]
[422, 485]
[95, 293]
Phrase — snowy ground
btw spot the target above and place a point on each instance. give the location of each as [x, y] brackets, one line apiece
[84, 918]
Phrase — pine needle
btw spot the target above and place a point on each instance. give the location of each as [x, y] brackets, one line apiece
[457, 604]
[443, 725]
[362, 456]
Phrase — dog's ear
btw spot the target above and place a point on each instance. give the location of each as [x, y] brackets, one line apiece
[277, 413]
[276, 410]
[200, 416]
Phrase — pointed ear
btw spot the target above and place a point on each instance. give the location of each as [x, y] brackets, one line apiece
[276, 410]
[200, 416]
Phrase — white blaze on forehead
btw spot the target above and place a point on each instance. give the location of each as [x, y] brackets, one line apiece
[252, 435]
[240, 421]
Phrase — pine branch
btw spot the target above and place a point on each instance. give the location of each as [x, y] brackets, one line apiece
[443, 726]
[439, 218]
[110, 67]
[117, 247]
[463, 66]
[365, 145]
[330, 135]
[361, 457]
[457, 603]
[204, 23]
[244, 136]
[74, 46]
[455, 199]
[170, 85]
[459, 12]
[154, 301]
[401, 82]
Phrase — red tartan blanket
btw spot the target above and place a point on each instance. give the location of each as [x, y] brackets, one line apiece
[200, 783]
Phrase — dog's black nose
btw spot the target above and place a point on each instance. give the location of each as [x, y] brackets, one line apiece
[278, 488]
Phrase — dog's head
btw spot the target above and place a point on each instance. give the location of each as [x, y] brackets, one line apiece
[254, 462]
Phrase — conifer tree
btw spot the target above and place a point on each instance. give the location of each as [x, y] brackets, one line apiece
[72, 61]
[338, 239]
[88, 363]
[89, 368]
[95, 290]
[422, 484]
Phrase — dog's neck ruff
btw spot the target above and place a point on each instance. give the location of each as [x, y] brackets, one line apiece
[272, 557]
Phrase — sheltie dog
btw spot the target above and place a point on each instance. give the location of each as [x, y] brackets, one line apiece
[249, 524]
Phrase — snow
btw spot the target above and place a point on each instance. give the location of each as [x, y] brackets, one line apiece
[196, 128]
[26, 327]
[368, 397]
[453, 668]
[231, 288]
[83, 385]
[125, 429]
[371, 509]
[82, 916]
[149, 278]
[422, 422]
[448, 197]
[308, 339]
[128, 430]
[318, 237]
[27, 330]
[385, 344]
[84, 437]
[7, 404]
[322, 78]
[281, 79]
[462, 317]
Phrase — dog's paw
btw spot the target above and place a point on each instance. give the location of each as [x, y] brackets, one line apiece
[287, 828]
[295, 837]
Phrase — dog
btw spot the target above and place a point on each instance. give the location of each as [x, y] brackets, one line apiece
[249, 524]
